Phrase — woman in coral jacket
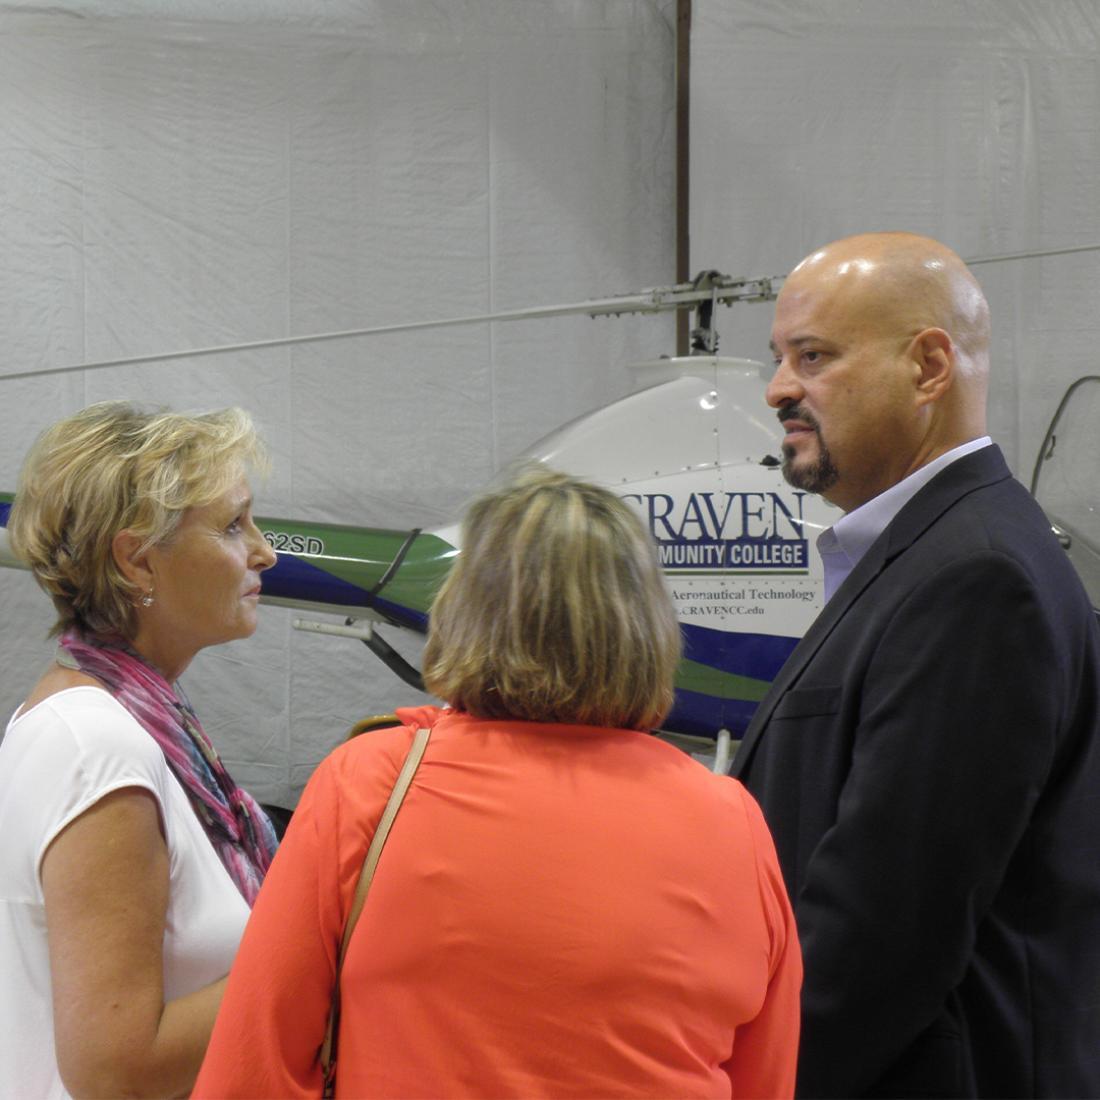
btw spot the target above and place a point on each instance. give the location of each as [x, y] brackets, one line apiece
[566, 906]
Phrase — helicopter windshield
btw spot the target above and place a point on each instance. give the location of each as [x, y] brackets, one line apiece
[1065, 481]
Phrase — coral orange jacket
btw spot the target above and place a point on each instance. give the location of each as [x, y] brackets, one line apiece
[564, 911]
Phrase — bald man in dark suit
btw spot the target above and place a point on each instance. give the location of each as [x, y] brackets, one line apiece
[929, 757]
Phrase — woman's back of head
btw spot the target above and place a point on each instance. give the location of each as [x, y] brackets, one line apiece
[556, 610]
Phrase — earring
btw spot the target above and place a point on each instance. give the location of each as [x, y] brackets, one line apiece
[147, 599]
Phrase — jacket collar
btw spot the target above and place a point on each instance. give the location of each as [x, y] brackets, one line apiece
[973, 471]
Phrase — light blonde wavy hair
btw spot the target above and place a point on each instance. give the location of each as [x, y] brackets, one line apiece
[109, 468]
[556, 610]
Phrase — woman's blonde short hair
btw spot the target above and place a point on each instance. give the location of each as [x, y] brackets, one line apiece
[556, 610]
[109, 468]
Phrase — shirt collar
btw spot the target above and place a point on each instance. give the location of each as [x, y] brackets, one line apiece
[842, 545]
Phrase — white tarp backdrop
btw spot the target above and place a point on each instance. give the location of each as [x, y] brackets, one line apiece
[178, 173]
[974, 121]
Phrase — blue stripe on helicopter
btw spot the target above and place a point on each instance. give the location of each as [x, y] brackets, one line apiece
[703, 715]
[4, 510]
[294, 579]
[759, 656]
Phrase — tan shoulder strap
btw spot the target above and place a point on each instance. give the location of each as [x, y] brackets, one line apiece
[397, 796]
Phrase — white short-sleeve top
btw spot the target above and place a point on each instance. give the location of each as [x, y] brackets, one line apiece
[56, 761]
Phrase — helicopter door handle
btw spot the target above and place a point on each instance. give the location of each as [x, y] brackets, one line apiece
[1061, 536]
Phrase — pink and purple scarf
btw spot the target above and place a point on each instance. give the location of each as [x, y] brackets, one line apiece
[238, 829]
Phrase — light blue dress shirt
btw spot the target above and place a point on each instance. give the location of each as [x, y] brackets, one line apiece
[842, 545]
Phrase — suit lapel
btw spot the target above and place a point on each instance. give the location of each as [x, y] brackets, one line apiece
[972, 471]
[868, 567]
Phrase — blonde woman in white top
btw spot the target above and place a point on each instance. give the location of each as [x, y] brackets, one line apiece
[130, 858]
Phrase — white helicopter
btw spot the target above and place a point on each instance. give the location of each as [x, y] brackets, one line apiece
[695, 451]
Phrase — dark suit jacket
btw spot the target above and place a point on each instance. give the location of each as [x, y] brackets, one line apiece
[929, 763]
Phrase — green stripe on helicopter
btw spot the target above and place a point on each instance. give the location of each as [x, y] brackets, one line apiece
[707, 680]
[406, 568]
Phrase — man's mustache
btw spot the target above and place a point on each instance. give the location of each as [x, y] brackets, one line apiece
[797, 412]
